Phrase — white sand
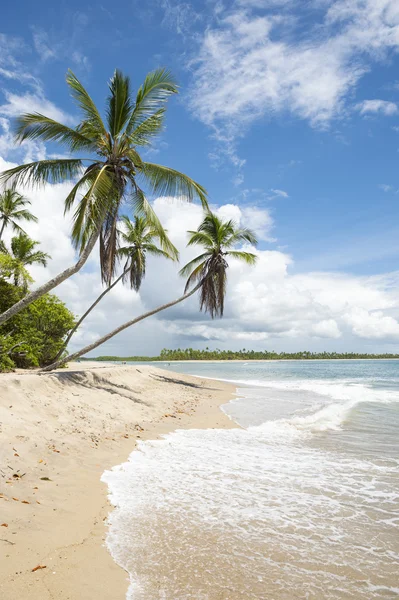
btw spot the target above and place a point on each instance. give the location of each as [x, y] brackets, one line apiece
[69, 427]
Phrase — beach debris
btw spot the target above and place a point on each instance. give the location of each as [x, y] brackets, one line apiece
[25, 502]
[40, 461]
[138, 427]
[45, 479]
[7, 541]
[4, 525]
[39, 567]
[18, 475]
[16, 454]
[16, 499]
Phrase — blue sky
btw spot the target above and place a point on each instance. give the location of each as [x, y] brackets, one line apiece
[285, 106]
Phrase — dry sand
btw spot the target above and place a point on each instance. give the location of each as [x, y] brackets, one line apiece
[58, 433]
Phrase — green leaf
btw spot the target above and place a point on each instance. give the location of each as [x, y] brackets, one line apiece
[165, 181]
[42, 171]
[32, 126]
[158, 86]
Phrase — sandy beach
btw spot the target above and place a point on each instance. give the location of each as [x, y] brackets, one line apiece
[59, 432]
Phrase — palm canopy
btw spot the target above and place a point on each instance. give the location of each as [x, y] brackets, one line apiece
[13, 209]
[218, 238]
[114, 171]
[24, 254]
[139, 238]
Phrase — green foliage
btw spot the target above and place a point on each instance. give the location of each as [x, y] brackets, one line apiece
[12, 210]
[23, 253]
[194, 354]
[139, 239]
[114, 171]
[34, 336]
[217, 238]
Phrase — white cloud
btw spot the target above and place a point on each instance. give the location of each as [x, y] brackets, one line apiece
[382, 107]
[43, 46]
[387, 188]
[250, 66]
[264, 303]
[30, 103]
[279, 193]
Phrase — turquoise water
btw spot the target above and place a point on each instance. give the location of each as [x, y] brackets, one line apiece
[302, 502]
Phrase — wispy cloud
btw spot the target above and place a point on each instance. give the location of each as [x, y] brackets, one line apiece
[43, 46]
[279, 193]
[388, 188]
[382, 107]
[251, 65]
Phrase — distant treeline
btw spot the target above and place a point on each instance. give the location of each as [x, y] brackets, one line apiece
[192, 354]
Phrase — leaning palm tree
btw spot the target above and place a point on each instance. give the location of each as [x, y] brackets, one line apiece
[24, 254]
[208, 271]
[113, 172]
[12, 210]
[139, 239]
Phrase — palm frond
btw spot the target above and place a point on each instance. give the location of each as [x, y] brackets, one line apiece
[32, 126]
[92, 207]
[186, 270]
[148, 129]
[119, 103]
[199, 238]
[198, 274]
[141, 206]
[246, 257]
[43, 171]
[86, 104]
[155, 251]
[158, 86]
[165, 181]
[25, 214]
[241, 235]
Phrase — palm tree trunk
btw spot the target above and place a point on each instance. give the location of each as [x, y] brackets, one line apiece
[47, 287]
[2, 229]
[107, 337]
[88, 311]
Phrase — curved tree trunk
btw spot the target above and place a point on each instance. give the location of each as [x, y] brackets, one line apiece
[47, 287]
[2, 229]
[88, 311]
[107, 337]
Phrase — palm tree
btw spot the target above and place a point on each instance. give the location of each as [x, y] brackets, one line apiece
[24, 255]
[218, 239]
[12, 210]
[139, 237]
[113, 173]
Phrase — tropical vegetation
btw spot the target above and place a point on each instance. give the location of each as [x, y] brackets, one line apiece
[218, 240]
[106, 168]
[139, 239]
[34, 336]
[207, 272]
[207, 354]
[13, 211]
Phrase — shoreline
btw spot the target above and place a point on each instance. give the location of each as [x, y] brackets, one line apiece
[60, 432]
[237, 360]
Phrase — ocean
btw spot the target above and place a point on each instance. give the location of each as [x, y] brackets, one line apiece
[301, 503]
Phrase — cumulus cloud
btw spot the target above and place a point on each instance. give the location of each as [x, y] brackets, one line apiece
[252, 64]
[382, 107]
[266, 304]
